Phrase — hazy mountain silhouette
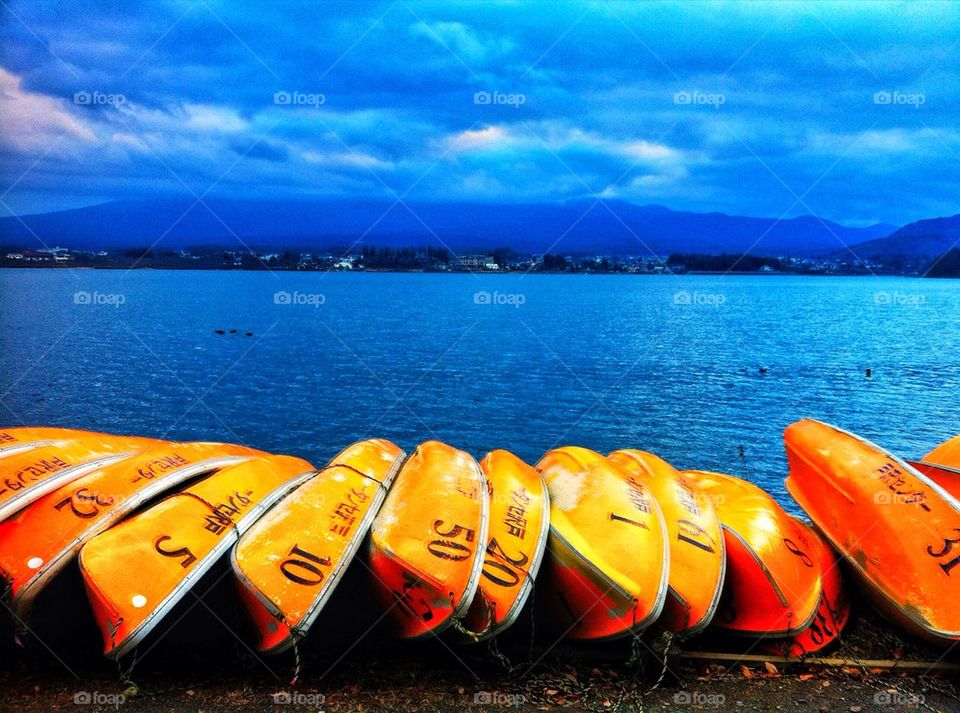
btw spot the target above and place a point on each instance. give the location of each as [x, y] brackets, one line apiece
[575, 227]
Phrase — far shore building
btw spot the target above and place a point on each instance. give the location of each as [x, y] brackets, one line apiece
[475, 262]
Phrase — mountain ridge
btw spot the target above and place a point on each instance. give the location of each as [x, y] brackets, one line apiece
[583, 226]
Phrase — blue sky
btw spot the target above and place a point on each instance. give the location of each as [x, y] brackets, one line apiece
[847, 110]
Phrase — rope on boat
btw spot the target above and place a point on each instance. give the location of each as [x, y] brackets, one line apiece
[296, 662]
[668, 639]
[494, 650]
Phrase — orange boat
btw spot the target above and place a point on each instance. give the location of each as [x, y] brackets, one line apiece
[897, 529]
[427, 542]
[30, 474]
[138, 570]
[697, 557]
[833, 611]
[40, 540]
[609, 550]
[773, 581]
[16, 440]
[289, 562]
[519, 524]
[942, 466]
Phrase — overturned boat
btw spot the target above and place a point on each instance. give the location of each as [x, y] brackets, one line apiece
[897, 529]
[289, 562]
[16, 440]
[30, 474]
[40, 540]
[517, 542]
[137, 571]
[773, 578]
[833, 611]
[428, 541]
[697, 556]
[609, 555]
[942, 466]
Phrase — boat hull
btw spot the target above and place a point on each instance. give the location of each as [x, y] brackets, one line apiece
[43, 538]
[136, 572]
[519, 525]
[290, 561]
[833, 611]
[697, 549]
[608, 553]
[897, 529]
[28, 475]
[773, 581]
[427, 541]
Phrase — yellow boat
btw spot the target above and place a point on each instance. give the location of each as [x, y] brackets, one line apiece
[137, 571]
[609, 555]
[897, 529]
[697, 556]
[289, 562]
[519, 525]
[30, 474]
[773, 581]
[43, 538]
[427, 542]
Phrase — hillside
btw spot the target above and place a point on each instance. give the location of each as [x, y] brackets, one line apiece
[579, 227]
[914, 245]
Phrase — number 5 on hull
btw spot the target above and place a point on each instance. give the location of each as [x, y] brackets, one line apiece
[137, 571]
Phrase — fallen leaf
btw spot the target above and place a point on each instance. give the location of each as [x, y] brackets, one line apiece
[771, 668]
[747, 673]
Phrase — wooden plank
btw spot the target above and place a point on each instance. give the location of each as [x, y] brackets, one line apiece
[891, 664]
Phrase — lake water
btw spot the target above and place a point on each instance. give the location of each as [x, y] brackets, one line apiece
[671, 364]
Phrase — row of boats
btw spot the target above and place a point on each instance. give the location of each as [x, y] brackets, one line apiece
[614, 544]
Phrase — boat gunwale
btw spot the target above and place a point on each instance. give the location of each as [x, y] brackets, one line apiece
[776, 588]
[530, 575]
[21, 603]
[301, 630]
[711, 610]
[45, 486]
[204, 564]
[864, 577]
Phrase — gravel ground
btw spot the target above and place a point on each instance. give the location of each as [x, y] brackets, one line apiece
[203, 662]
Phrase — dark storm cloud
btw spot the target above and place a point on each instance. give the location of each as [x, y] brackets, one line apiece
[848, 110]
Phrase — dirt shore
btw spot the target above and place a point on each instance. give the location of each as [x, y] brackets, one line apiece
[201, 665]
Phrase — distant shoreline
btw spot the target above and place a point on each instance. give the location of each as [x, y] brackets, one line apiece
[484, 273]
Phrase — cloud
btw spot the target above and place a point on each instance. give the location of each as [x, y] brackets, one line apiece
[34, 123]
[600, 112]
